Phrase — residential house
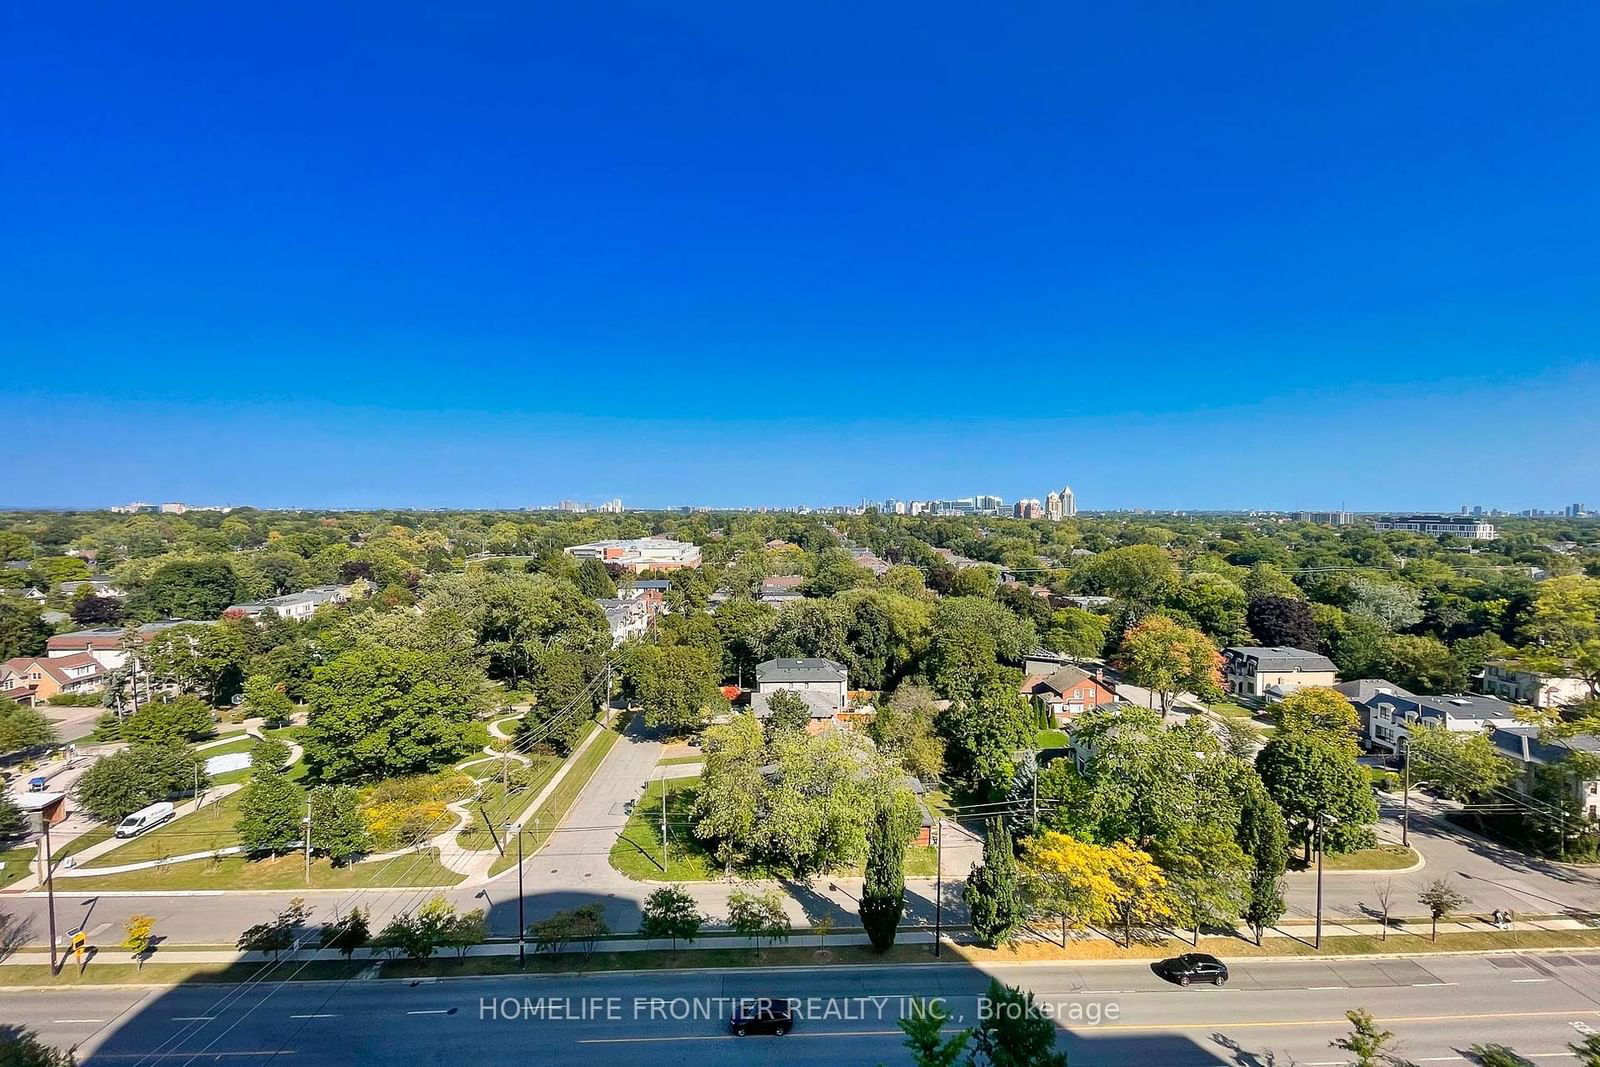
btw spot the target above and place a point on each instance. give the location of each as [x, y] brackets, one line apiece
[1525, 746]
[782, 589]
[1251, 670]
[1362, 691]
[295, 606]
[35, 679]
[640, 554]
[627, 617]
[651, 592]
[1067, 692]
[1531, 688]
[99, 585]
[823, 684]
[105, 643]
[1392, 716]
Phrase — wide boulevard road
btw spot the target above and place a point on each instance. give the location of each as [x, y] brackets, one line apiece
[1271, 1013]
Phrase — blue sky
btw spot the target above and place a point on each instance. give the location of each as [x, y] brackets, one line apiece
[1274, 255]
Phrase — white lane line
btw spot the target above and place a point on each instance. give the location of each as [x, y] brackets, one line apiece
[1321, 988]
[1529, 981]
[320, 1015]
[431, 1011]
[1423, 985]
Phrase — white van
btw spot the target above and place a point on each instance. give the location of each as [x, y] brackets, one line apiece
[144, 819]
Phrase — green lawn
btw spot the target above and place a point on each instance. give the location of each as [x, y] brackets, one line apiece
[678, 761]
[209, 828]
[16, 864]
[1051, 739]
[279, 872]
[637, 852]
[1381, 858]
[556, 805]
[502, 808]
[82, 842]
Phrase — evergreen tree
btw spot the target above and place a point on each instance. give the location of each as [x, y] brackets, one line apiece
[1264, 837]
[883, 892]
[1015, 1033]
[992, 893]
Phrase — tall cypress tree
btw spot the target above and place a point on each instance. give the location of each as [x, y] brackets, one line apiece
[883, 895]
[993, 896]
[1264, 838]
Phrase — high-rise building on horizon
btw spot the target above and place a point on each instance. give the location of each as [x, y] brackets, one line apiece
[1061, 505]
[1027, 509]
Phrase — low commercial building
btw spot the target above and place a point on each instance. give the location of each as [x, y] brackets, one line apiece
[1251, 670]
[640, 554]
[1440, 525]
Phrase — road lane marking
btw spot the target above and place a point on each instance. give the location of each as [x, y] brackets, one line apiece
[1321, 988]
[433, 1011]
[1424, 985]
[321, 1015]
[208, 1054]
[1529, 981]
[1211, 1025]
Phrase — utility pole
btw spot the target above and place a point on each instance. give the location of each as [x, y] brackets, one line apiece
[308, 839]
[522, 919]
[938, 886]
[1405, 807]
[50, 891]
[1318, 944]
[663, 826]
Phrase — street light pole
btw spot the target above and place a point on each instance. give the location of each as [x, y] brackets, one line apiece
[938, 886]
[50, 892]
[308, 839]
[522, 920]
[1405, 807]
[1318, 944]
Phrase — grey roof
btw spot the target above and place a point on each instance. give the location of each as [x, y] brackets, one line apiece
[653, 583]
[1283, 659]
[1066, 678]
[1362, 690]
[1464, 707]
[778, 671]
[820, 705]
[1523, 743]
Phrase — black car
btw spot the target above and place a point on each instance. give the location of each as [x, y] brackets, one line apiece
[762, 1015]
[1194, 967]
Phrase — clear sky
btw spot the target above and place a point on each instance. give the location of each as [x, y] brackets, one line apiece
[1186, 255]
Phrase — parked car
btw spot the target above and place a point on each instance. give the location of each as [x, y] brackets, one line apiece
[762, 1015]
[145, 819]
[1194, 967]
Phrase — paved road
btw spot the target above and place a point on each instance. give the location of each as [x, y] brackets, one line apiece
[1113, 1014]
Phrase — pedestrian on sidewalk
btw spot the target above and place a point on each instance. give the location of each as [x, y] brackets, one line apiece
[1508, 919]
[1496, 919]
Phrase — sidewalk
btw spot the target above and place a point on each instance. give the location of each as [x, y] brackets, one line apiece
[917, 936]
